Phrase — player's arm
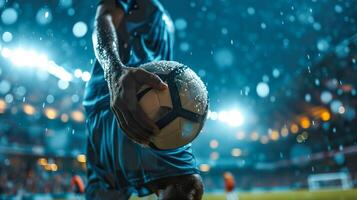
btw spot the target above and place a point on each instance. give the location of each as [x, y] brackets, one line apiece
[123, 82]
[105, 39]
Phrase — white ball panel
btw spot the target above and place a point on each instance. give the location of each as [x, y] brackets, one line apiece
[161, 67]
[193, 92]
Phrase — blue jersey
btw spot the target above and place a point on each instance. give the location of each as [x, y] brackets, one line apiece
[114, 162]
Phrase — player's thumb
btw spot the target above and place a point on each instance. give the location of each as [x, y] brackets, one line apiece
[153, 80]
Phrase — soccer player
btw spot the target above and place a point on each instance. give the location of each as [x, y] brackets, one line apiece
[229, 184]
[128, 33]
[77, 184]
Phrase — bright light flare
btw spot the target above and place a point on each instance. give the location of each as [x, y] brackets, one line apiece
[27, 58]
[233, 118]
[30, 58]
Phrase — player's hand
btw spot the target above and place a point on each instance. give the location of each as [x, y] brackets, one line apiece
[132, 119]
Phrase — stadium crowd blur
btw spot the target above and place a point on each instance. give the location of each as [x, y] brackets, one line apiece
[287, 68]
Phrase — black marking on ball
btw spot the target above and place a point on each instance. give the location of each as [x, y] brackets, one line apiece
[142, 93]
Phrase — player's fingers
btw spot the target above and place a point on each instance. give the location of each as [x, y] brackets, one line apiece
[131, 132]
[130, 104]
[128, 94]
[124, 125]
[151, 79]
[135, 127]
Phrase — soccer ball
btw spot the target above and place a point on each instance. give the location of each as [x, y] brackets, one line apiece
[179, 111]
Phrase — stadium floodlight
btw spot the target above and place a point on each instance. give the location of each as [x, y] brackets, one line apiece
[233, 118]
[29, 58]
[5, 52]
[212, 115]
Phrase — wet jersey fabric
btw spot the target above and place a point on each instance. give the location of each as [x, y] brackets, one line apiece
[114, 162]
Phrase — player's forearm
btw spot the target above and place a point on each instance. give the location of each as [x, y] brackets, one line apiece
[106, 47]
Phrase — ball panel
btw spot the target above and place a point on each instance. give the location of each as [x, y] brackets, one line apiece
[192, 91]
[150, 104]
[161, 67]
[178, 133]
[189, 130]
[164, 98]
[168, 136]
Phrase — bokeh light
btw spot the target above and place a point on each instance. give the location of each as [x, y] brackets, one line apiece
[294, 128]
[77, 116]
[254, 136]
[65, 3]
[2, 106]
[204, 167]
[44, 16]
[80, 29]
[180, 24]
[223, 58]
[29, 109]
[81, 158]
[213, 144]
[240, 135]
[284, 131]
[264, 139]
[64, 118]
[236, 152]
[326, 97]
[7, 36]
[214, 155]
[9, 16]
[51, 113]
[325, 115]
[5, 86]
[305, 122]
[263, 89]
[274, 135]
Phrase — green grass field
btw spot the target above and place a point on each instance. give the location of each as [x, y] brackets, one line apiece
[291, 195]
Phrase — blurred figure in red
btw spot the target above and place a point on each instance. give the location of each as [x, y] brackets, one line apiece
[77, 184]
[229, 184]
